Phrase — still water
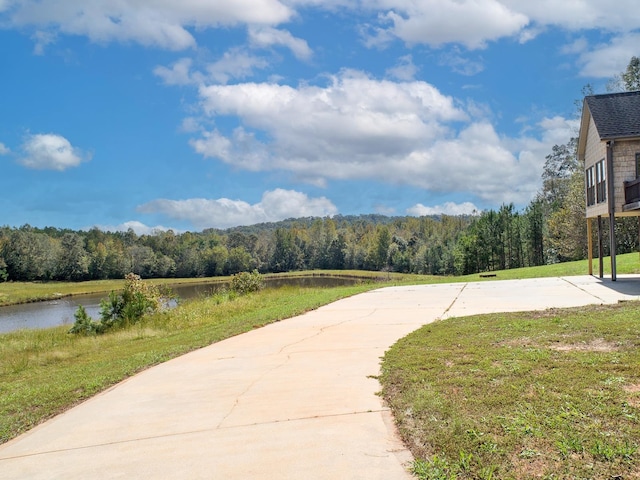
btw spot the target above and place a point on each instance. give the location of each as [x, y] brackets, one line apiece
[60, 312]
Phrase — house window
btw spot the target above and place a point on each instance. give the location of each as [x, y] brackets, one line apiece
[637, 165]
[601, 182]
[591, 187]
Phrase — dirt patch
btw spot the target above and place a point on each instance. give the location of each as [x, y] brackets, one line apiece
[634, 390]
[597, 345]
[517, 343]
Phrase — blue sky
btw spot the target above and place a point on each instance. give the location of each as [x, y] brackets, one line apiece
[190, 114]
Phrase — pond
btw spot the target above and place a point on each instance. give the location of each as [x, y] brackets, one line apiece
[52, 313]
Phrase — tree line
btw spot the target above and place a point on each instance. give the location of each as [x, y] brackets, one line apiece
[436, 245]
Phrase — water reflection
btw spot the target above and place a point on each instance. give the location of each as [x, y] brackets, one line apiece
[60, 312]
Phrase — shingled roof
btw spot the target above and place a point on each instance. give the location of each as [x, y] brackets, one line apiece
[616, 115]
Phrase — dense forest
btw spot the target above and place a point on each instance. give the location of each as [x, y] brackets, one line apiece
[552, 228]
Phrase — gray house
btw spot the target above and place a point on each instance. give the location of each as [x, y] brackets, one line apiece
[609, 147]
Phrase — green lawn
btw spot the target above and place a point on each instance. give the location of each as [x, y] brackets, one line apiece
[537, 395]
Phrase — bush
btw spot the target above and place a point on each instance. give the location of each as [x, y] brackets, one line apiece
[120, 309]
[83, 324]
[245, 282]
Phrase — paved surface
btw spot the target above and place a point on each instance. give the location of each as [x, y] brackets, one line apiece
[293, 400]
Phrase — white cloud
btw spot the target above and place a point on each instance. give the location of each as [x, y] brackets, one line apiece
[352, 124]
[448, 208]
[162, 23]
[473, 23]
[268, 36]
[276, 205]
[50, 152]
[460, 64]
[356, 127]
[578, 46]
[235, 64]
[623, 15]
[42, 39]
[138, 227]
[404, 70]
[436, 22]
[606, 60]
[178, 74]
[4, 150]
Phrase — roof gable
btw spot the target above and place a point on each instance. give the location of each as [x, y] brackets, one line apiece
[616, 115]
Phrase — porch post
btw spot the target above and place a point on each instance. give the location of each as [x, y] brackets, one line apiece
[612, 210]
[590, 246]
[600, 248]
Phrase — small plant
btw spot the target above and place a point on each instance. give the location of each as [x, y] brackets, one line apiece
[245, 282]
[465, 461]
[435, 469]
[570, 445]
[83, 324]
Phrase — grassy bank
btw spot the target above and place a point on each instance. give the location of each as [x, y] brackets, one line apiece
[24, 292]
[626, 263]
[549, 395]
[43, 372]
[12, 293]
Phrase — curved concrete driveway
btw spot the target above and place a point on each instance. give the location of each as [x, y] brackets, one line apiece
[293, 400]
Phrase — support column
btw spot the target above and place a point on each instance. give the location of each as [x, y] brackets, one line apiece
[600, 248]
[612, 209]
[612, 248]
[590, 246]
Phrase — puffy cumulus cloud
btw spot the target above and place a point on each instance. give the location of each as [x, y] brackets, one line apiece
[448, 208]
[153, 23]
[4, 150]
[50, 152]
[275, 205]
[353, 118]
[138, 227]
[268, 36]
[356, 127]
[436, 22]
[475, 161]
[473, 23]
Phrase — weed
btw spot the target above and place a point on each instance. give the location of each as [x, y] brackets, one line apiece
[437, 468]
[570, 445]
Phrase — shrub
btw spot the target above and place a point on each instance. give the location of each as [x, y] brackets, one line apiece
[120, 309]
[245, 282]
[83, 324]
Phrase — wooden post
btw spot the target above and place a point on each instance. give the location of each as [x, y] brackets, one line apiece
[590, 246]
[600, 248]
[612, 210]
